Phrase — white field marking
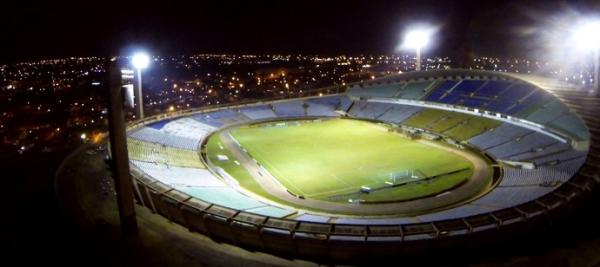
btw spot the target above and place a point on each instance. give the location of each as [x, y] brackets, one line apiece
[259, 153]
[337, 178]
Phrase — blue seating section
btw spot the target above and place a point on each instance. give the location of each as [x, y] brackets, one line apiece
[399, 113]
[492, 89]
[289, 108]
[321, 110]
[415, 90]
[500, 135]
[558, 158]
[571, 124]
[466, 87]
[532, 155]
[438, 92]
[376, 90]
[516, 92]
[369, 110]
[258, 112]
[548, 112]
[528, 142]
[503, 197]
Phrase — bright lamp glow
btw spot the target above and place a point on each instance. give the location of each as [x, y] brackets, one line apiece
[587, 35]
[417, 38]
[140, 60]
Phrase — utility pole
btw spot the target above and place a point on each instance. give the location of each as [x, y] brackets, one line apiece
[118, 147]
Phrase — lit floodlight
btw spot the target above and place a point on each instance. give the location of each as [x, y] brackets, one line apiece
[587, 36]
[417, 39]
[140, 60]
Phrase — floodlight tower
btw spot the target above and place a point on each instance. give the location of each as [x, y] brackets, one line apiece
[587, 39]
[417, 39]
[140, 61]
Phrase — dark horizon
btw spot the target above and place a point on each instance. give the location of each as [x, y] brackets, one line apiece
[489, 28]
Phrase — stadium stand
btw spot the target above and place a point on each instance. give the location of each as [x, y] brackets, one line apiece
[228, 197]
[541, 175]
[369, 110]
[503, 197]
[436, 94]
[258, 112]
[415, 90]
[492, 89]
[531, 155]
[289, 108]
[160, 154]
[471, 127]
[316, 109]
[500, 135]
[156, 136]
[548, 112]
[385, 89]
[179, 177]
[187, 128]
[221, 117]
[456, 125]
[528, 142]
[571, 124]
[399, 113]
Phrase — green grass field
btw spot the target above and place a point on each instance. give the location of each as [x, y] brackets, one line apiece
[328, 159]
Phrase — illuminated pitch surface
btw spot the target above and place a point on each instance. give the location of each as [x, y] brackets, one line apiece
[332, 159]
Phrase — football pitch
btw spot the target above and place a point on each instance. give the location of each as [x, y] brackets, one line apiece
[333, 159]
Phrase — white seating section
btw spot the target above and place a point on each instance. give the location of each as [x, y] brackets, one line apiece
[187, 128]
[159, 137]
[178, 176]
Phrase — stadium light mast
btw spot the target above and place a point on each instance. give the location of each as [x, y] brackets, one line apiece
[417, 39]
[140, 61]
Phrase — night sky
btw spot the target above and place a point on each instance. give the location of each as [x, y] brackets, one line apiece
[97, 28]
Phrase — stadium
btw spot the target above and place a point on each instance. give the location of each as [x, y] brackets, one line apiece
[399, 163]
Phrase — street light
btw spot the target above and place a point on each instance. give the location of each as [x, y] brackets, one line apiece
[140, 61]
[417, 39]
[586, 37]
